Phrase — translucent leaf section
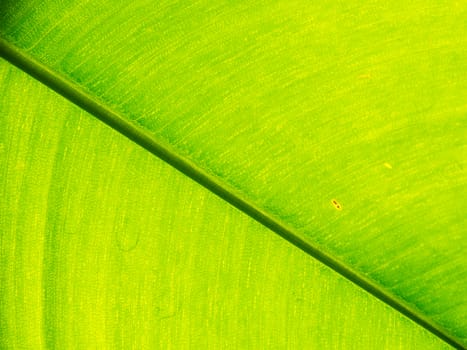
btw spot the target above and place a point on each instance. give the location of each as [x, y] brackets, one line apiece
[104, 246]
[345, 120]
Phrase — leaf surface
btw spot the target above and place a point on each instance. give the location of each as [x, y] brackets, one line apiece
[104, 246]
[344, 122]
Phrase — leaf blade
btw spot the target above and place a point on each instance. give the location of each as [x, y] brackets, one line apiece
[70, 279]
[405, 63]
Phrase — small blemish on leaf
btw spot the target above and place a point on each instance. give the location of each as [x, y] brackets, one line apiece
[336, 204]
[127, 242]
[387, 165]
[364, 76]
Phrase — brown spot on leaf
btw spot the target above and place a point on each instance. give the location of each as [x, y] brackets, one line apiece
[336, 204]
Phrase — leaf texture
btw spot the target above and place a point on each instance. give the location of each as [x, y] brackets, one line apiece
[104, 246]
[345, 122]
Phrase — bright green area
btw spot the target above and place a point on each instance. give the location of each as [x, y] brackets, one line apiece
[104, 246]
[295, 104]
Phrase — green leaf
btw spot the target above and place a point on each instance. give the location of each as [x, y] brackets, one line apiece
[342, 127]
[106, 247]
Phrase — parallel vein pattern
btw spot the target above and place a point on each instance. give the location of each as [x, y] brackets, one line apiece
[103, 246]
[346, 122]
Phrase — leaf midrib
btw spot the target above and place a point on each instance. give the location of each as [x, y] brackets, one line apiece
[77, 95]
